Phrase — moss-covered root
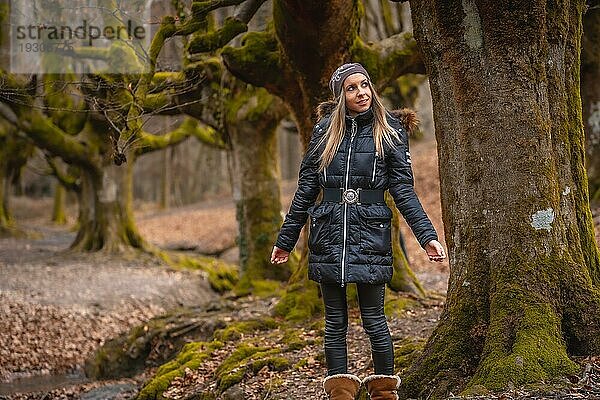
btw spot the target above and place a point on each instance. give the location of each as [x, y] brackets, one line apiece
[128, 354]
[191, 356]
[248, 358]
[237, 330]
[522, 344]
[525, 343]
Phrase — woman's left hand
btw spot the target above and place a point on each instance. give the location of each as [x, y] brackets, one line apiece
[435, 251]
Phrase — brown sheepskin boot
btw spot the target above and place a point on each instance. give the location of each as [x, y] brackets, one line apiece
[382, 387]
[341, 386]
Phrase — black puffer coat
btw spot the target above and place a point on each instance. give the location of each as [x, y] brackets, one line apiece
[352, 242]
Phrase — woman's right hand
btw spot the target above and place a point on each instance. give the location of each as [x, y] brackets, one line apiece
[279, 256]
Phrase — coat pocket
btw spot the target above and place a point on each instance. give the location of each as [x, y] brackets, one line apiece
[375, 229]
[319, 239]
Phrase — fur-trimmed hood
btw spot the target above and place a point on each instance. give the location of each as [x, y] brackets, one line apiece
[407, 116]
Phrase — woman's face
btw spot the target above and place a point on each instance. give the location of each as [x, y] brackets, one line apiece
[358, 93]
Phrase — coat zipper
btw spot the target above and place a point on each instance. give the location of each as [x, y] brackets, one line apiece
[374, 166]
[325, 174]
[353, 132]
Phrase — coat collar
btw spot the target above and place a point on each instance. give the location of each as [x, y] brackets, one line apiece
[364, 118]
[407, 117]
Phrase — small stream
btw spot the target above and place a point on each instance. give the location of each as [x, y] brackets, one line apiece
[48, 383]
[42, 383]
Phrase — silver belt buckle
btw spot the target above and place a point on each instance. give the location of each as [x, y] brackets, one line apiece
[350, 196]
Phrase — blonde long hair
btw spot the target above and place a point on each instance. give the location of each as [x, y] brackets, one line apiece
[382, 130]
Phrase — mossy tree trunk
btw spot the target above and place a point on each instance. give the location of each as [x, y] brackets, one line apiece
[590, 96]
[58, 207]
[245, 121]
[523, 288]
[14, 153]
[252, 118]
[403, 279]
[105, 219]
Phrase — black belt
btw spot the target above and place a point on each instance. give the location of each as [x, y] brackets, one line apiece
[354, 196]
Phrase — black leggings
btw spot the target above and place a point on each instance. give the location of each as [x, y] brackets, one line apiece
[371, 300]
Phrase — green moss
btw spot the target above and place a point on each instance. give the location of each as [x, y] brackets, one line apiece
[318, 325]
[123, 356]
[300, 302]
[248, 358]
[367, 56]
[236, 330]
[292, 340]
[221, 276]
[214, 40]
[241, 361]
[122, 59]
[230, 378]
[249, 105]
[352, 296]
[476, 390]
[191, 356]
[262, 288]
[258, 59]
[398, 304]
[406, 352]
[275, 363]
[531, 350]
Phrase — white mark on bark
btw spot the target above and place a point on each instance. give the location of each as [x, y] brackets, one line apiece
[566, 191]
[108, 193]
[466, 283]
[543, 219]
[472, 24]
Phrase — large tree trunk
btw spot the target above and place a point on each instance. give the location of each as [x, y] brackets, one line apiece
[105, 215]
[14, 153]
[252, 119]
[521, 295]
[315, 37]
[590, 96]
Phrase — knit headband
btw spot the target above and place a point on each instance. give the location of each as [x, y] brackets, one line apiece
[340, 75]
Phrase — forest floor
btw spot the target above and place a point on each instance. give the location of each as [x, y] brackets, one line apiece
[57, 307]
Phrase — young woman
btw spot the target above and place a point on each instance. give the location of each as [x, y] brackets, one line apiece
[357, 151]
